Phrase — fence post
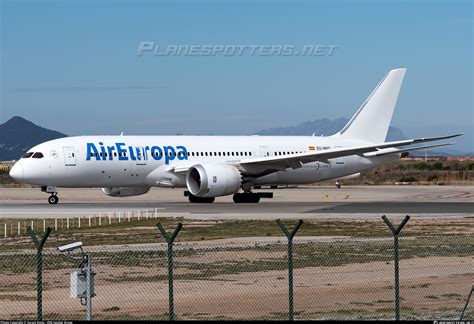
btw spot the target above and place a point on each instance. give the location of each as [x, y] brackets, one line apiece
[89, 276]
[395, 232]
[39, 269]
[467, 303]
[290, 236]
[170, 239]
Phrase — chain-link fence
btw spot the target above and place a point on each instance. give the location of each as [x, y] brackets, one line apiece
[247, 278]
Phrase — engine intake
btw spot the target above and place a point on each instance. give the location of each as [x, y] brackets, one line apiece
[212, 180]
[125, 191]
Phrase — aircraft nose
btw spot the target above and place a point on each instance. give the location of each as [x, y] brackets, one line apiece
[17, 173]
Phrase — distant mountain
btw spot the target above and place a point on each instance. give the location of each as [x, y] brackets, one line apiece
[324, 127]
[17, 135]
[443, 151]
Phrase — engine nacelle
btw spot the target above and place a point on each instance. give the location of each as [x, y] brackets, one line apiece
[212, 180]
[125, 191]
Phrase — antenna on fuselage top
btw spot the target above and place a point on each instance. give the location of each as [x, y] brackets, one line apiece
[121, 134]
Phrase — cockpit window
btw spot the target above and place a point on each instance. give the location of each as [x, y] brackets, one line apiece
[37, 155]
[27, 155]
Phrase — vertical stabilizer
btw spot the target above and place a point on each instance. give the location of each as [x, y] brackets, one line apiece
[371, 122]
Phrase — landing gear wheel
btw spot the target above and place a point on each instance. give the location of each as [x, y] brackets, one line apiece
[246, 197]
[53, 199]
[196, 199]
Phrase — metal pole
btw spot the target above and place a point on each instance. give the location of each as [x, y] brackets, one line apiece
[39, 269]
[170, 281]
[89, 287]
[290, 280]
[467, 303]
[290, 236]
[170, 240]
[397, 278]
[395, 232]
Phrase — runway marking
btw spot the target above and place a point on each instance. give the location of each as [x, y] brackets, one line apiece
[461, 195]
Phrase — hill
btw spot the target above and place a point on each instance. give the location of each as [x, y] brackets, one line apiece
[17, 135]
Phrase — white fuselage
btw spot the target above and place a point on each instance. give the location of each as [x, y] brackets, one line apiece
[67, 162]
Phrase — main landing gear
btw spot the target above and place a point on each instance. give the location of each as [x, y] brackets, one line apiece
[246, 197]
[200, 200]
[53, 198]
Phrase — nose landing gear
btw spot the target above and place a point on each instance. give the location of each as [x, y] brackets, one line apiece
[53, 199]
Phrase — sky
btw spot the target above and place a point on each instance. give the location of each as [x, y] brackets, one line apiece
[72, 66]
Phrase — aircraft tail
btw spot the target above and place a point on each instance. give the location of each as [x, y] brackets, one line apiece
[372, 120]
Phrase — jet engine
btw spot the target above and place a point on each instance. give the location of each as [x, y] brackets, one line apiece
[125, 191]
[212, 180]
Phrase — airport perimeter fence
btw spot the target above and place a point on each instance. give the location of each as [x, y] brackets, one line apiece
[11, 228]
[247, 278]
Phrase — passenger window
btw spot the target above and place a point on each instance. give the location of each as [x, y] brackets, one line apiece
[27, 155]
[37, 155]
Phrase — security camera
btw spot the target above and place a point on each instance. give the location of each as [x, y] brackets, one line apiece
[70, 247]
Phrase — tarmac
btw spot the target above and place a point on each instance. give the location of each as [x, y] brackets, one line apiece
[306, 202]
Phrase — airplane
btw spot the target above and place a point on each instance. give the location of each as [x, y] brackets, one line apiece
[213, 166]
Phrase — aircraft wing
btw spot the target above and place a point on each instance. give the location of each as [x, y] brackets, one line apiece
[296, 160]
[392, 150]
